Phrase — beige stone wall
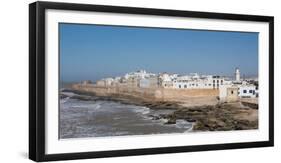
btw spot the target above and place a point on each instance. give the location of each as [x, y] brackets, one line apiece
[232, 95]
[148, 93]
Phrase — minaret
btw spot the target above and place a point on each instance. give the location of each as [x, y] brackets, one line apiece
[237, 74]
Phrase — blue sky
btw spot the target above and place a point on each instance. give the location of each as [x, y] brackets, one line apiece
[91, 52]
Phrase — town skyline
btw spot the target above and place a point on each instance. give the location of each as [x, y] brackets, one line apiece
[230, 77]
[92, 52]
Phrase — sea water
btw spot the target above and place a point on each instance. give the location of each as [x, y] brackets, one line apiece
[99, 118]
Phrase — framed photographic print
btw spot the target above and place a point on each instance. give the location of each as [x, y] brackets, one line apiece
[118, 81]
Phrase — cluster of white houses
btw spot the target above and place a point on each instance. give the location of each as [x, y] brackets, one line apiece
[227, 87]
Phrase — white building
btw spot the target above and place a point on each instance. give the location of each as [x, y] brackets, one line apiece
[245, 88]
[141, 74]
[151, 82]
[195, 81]
[247, 91]
[166, 80]
[109, 81]
[142, 79]
[105, 82]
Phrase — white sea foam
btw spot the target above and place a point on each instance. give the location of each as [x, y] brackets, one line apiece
[163, 120]
[181, 123]
[87, 106]
[190, 129]
[69, 94]
[64, 100]
[97, 106]
[141, 110]
[106, 118]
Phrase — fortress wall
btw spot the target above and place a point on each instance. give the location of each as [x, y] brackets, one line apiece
[186, 93]
[117, 90]
[148, 93]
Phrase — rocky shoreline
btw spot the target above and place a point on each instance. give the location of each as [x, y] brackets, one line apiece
[219, 117]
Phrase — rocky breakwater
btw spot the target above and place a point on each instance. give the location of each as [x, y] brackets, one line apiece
[220, 117]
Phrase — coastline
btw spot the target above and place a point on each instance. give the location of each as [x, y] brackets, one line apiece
[216, 117]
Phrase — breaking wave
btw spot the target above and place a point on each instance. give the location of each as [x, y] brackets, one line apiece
[107, 118]
[141, 110]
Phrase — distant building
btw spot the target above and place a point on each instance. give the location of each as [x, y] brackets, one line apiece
[229, 90]
[109, 81]
[166, 80]
[149, 82]
[247, 91]
[141, 74]
[100, 83]
[237, 75]
[194, 81]
[86, 82]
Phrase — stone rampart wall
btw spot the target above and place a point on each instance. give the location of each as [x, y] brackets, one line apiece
[167, 94]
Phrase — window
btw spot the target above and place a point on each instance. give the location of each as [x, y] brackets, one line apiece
[232, 92]
[250, 91]
[185, 86]
[214, 81]
[221, 81]
[254, 92]
[244, 91]
[179, 86]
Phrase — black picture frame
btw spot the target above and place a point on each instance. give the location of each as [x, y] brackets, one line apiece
[37, 80]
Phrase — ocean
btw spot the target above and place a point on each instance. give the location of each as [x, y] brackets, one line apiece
[101, 118]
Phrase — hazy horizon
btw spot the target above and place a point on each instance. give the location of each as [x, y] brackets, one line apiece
[92, 52]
